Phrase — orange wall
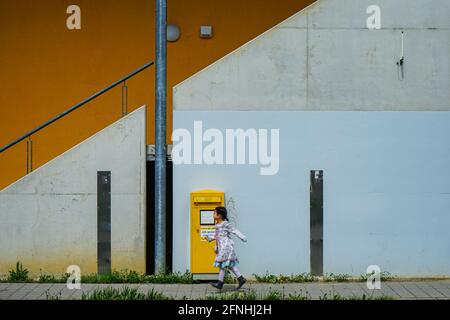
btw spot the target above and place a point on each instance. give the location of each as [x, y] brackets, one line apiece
[46, 68]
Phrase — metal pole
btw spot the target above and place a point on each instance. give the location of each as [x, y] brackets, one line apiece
[160, 136]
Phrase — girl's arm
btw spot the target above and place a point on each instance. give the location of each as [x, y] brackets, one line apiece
[236, 232]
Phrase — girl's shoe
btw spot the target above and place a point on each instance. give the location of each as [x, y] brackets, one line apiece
[241, 280]
[217, 285]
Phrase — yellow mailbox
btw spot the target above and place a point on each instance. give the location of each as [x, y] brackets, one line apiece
[203, 204]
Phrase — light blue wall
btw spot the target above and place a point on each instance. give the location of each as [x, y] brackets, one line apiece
[386, 191]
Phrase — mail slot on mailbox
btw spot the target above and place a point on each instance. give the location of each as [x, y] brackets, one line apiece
[203, 204]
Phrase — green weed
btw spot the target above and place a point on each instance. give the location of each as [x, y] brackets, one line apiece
[332, 277]
[299, 278]
[384, 276]
[20, 274]
[125, 293]
[51, 296]
[363, 297]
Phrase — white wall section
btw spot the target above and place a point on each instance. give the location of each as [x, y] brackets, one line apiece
[49, 217]
[325, 58]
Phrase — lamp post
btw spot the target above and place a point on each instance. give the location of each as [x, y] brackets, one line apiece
[160, 136]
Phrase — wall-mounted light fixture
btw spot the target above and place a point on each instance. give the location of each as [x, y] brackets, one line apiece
[173, 33]
[206, 32]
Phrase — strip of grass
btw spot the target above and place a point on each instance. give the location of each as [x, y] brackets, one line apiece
[364, 297]
[122, 276]
[21, 275]
[124, 294]
[332, 277]
[270, 278]
[129, 276]
[252, 295]
[384, 276]
[127, 293]
[50, 278]
[328, 277]
[301, 278]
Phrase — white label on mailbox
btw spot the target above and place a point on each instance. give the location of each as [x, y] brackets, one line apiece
[207, 233]
[206, 217]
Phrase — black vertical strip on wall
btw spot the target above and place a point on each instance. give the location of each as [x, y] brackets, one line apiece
[104, 222]
[150, 230]
[316, 222]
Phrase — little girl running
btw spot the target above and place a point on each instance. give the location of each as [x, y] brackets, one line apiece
[224, 247]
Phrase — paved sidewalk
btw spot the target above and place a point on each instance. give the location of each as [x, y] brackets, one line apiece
[398, 290]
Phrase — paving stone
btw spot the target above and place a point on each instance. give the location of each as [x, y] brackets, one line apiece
[197, 295]
[88, 288]
[14, 287]
[18, 295]
[37, 295]
[201, 287]
[415, 290]
[4, 286]
[400, 290]
[33, 295]
[297, 290]
[313, 294]
[171, 286]
[184, 291]
[155, 286]
[342, 289]
[441, 286]
[432, 292]
[30, 288]
[22, 291]
[5, 295]
[65, 294]
[77, 295]
[182, 295]
[324, 288]
[388, 291]
[379, 294]
[362, 288]
[171, 294]
[442, 289]
[355, 289]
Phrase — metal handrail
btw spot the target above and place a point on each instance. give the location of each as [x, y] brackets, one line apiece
[78, 105]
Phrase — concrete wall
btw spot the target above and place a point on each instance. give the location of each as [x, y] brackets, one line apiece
[386, 171]
[325, 58]
[49, 217]
[386, 191]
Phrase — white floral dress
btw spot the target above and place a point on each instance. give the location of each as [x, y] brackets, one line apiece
[224, 248]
